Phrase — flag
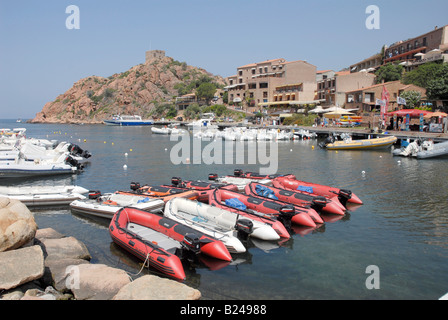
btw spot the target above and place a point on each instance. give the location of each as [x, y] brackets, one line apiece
[401, 100]
[385, 97]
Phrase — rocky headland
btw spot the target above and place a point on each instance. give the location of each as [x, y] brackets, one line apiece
[137, 91]
[42, 264]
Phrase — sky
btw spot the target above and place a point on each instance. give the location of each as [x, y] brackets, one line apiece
[41, 58]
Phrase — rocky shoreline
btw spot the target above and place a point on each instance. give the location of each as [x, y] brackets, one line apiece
[42, 264]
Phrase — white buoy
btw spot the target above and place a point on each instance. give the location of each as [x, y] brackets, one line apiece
[290, 150]
[125, 167]
[166, 149]
[126, 154]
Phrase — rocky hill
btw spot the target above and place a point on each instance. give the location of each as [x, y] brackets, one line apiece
[136, 91]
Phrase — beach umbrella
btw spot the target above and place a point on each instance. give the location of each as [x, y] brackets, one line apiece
[337, 114]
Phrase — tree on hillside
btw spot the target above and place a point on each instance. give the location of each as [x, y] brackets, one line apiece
[422, 75]
[412, 98]
[389, 72]
[206, 91]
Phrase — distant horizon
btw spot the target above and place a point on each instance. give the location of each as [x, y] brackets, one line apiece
[41, 57]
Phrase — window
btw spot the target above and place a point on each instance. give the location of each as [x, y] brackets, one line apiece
[240, 72]
[424, 41]
[263, 85]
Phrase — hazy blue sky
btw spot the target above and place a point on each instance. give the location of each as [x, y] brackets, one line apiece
[40, 58]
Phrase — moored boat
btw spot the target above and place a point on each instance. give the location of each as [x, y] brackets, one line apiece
[127, 120]
[216, 200]
[105, 206]
[131, 230]
[304, 216]
[292, 183]
[36, 196]
[20, 168]
[362, 144]
[318, 203]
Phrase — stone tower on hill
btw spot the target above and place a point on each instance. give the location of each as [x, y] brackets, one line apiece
[154, 55]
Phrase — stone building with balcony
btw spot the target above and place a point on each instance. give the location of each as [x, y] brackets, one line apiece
[277, 82]
[412, 51]
[365, 99]
[331, 91]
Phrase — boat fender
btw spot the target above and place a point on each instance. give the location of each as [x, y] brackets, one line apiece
[237, 172]
[285, 215]
[244, 228]
[135, 185]
[213, 176]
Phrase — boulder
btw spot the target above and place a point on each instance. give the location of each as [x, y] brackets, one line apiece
[97, 281]
[59, 273]
[20, 266]
[64, 248]
[17, 224]
[150, 287]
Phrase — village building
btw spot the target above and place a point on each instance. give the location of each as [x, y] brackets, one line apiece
[273, 85]
[365, 99]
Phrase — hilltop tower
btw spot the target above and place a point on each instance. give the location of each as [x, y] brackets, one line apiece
[154, 55]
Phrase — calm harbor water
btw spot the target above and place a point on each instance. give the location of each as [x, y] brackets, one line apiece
[401, 228]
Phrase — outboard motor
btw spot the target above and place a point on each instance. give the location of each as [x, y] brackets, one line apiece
[319, 203]
[73, 162]
[328, 140]
[344, 195]
[135, 186]
[237, 172]
[176, 181]
[94, 194]
[285, 215]
[76, 150]
[244, 228]
[213, 176]
[190, 246]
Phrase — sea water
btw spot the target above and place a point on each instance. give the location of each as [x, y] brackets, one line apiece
[394, 246]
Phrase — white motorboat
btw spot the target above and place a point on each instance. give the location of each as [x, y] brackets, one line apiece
[20, 167]
[106, 205]
[32, 152]
[34, 196]
[423, 150]
[127, 120]
[429, 149]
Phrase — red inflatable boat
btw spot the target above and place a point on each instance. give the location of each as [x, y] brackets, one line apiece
[318, 203]
[162, 241]
[344, 196]
[290, 181]
[302, 216]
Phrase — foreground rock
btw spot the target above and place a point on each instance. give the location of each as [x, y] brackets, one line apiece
[17, 224]
[98, 282]
[20, 266]
[155, 288]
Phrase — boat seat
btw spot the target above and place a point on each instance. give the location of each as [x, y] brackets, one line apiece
[155, 237]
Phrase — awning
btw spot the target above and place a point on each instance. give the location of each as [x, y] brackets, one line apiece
[411, 112]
